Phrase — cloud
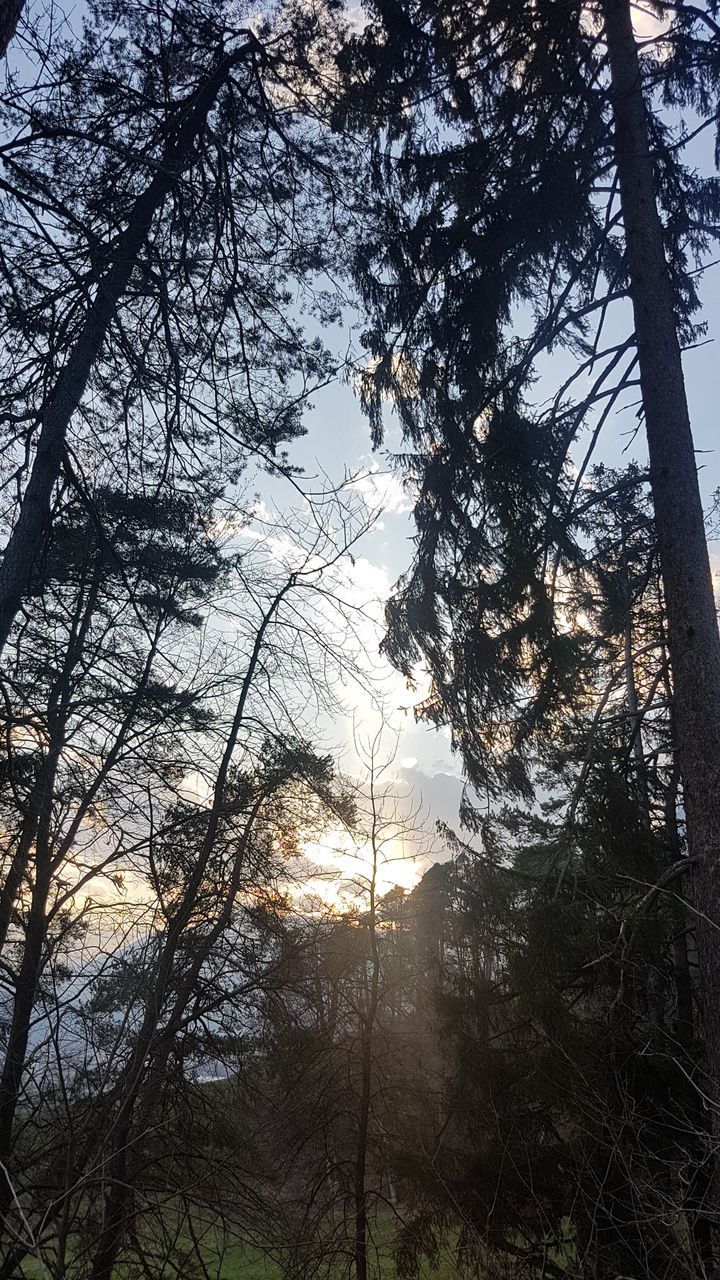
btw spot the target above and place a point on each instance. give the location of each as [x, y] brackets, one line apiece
[195, 788]
[647, 24]
[439, 793]
[337, 851]
[384, 491]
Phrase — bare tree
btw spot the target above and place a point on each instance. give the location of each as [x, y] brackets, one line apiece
[191, 860]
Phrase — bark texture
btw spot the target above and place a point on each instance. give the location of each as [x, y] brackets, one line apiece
[10, 11]
[692, 621]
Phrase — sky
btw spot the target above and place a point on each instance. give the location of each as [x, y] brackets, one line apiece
[338, 440]
[422, 768]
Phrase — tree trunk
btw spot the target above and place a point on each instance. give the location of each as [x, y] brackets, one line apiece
[10, 11]
[692, 621]
[27, 980]
[635, 726]
[19, 862]
[654, 985]
[182, 130]
[368, 1019]
[361, 1155]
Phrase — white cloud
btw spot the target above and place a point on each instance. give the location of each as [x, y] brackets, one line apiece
[196, 789]
[648, 24]
[384, 491]
[345, 866]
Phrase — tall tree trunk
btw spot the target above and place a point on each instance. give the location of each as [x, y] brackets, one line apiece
[692, 622]
[27, 979]
[698, 1193]
[682, 970]
[20, 860]
[360, 1189]
[699, 1187]
[634, 715]
[183, 127]
[37, 830]
[10, 11]
[367, 1035]
[654, 985]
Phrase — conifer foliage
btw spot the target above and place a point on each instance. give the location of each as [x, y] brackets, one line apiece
[537, 154]
[162, 187]
[227, 1037]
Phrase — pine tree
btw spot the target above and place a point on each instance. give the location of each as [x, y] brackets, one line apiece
[162, 212]
[96, 691]
[538, 178]
[10, 14]
[565, 996]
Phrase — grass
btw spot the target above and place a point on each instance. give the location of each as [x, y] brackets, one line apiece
[247, 1262]
[240, 1262]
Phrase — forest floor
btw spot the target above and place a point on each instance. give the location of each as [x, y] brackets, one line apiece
[248, 1262]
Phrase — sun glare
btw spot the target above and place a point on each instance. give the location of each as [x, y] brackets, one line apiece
[339, 870]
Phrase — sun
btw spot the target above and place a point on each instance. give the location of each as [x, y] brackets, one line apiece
[340, 870]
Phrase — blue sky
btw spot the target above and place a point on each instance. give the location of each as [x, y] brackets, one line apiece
[338, 440]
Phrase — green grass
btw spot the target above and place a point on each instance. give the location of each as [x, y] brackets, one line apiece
[239, 1263]
[249, 1263]
[245, 1261]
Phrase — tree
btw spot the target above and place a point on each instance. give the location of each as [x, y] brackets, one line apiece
[339, 1047]
[692, 619]
[129, 704]
[573, 1131]
[536, 171]
[164, 183]
[153, 1045]
[10, 13]
[94, 694]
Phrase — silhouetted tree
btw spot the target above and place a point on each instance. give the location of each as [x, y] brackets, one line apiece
[530, 175]
[163, 212]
